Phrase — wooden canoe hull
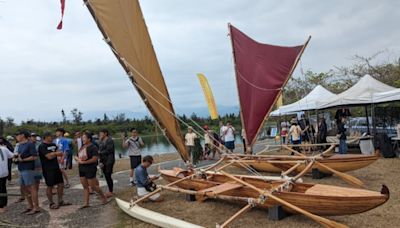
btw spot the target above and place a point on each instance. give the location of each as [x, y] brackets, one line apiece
[341, 163]
[315, 198]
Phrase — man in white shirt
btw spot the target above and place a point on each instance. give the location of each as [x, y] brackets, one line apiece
[5, 154]
[229, 136]
[189, 142]
[134, 145]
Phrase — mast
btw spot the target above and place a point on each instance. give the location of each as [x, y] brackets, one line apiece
[248, 147]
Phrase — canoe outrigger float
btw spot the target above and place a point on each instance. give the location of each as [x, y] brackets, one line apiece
[338, 162]
[261, 72]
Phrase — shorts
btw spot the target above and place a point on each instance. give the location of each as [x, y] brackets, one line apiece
[230, 145]
[53, 177]
[88, 173]
[142, 192]
[26, 177]
[38, 175]
[135, 161]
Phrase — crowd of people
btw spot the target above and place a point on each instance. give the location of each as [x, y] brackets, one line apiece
[301, 131]
[214, 143]
[50, 155]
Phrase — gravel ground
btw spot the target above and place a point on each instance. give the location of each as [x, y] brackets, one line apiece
[208, 213]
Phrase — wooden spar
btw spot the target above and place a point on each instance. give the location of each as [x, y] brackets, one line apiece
[237, 214]
[304, 171]
[348, 178]
[298, 145]
[273, 162]
[323, 221]
[180, 180]
[280, 91]
[221, 197]
[287, 172]
[248, 146]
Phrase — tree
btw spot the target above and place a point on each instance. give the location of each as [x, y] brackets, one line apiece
[120, 118]
[1, 126]
[77, 115]
[64, 118]
[10, 122]
[379, 66]
[105, 118]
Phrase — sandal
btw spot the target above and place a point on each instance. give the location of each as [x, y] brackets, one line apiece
[84, 207]
[107, 201]
[67, 186]
[63, 203]
[26, 210]
[33, 212]
[54, 206]
[19, 200]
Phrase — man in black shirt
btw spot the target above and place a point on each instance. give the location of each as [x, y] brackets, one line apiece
[107, 158]
[48, 154]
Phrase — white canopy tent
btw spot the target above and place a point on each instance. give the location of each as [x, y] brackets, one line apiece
[309, 102]
[360, 93]
[392, 95]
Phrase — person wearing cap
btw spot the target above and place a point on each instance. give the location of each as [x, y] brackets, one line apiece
[145, 184]
[5, 155]
[38, 166]
[48, 153]
[26, 156]
[189, 142]
[294, 133]
[63, 146]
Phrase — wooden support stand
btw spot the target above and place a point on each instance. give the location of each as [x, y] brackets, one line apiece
[316, 174]
[191, 197]
[276, 213]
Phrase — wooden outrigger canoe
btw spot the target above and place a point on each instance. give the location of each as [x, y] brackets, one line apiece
[315, 198]
[339, 162]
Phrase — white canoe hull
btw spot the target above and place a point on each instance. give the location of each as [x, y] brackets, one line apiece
[153, 217]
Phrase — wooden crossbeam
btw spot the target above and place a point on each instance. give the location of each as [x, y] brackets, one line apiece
[219, 189]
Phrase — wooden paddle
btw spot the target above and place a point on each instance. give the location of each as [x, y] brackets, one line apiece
[323, 221]
[346, 177]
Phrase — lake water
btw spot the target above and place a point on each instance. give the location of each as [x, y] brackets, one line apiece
[153, 145]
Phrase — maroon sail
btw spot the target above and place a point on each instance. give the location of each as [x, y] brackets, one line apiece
[262, 70]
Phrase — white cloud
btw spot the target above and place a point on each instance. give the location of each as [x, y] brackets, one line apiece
[44, 70]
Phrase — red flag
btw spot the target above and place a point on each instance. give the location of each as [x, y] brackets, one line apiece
[60, 25]
[261, 71]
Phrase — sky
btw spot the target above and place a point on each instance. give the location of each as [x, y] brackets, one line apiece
[44, 70]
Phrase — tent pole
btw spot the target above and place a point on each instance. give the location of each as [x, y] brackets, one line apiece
[366, 114]
[373, 120]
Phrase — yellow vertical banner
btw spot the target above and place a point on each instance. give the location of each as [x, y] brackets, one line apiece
[212, 108]
[279, 102]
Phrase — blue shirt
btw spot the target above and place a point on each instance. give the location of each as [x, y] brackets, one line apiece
[26, 150]
[141, 176]
[62, 144]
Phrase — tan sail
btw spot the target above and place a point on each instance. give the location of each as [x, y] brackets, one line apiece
[124, 29]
